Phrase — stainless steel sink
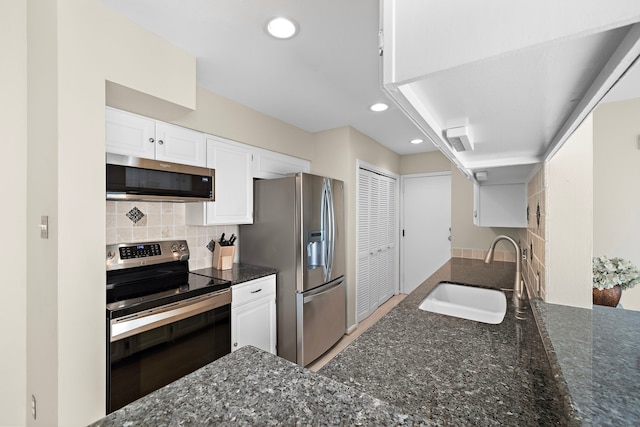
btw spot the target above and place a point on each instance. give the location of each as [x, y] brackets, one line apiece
[466, 302]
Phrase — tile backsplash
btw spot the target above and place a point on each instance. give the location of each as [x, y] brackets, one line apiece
[153, 221]
[498, 255]
[533, 238]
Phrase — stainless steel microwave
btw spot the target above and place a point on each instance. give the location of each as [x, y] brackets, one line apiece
[132, 178]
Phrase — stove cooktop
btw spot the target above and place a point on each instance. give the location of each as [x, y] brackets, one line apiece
[195, 285]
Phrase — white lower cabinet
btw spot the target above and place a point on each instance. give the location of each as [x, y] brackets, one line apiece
[253, 314]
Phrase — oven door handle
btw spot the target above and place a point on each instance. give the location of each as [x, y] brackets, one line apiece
[153, 318]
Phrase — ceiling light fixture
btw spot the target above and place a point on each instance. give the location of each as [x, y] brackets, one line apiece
[459, 139]
[379, 107]
[282, 28]
[417, 141]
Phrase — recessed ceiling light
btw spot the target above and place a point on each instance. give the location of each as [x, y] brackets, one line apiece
[417, 141]
[281, 27]
[380, 106]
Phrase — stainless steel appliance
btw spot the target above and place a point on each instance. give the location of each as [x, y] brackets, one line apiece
[131, 178]
[162, 321]
[299, 229]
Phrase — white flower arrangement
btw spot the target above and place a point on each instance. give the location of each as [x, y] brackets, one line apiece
[615, 271]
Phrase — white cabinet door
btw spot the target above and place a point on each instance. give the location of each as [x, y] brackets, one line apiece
[253, 314]
[500, 205]
[180, 145]
[129, 134]
[268, 164]
[252, 325]
[234, 186]
[133, 135]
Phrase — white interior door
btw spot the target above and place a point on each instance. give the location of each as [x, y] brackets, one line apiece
[426, 227]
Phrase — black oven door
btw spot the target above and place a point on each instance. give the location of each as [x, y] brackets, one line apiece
[150, 349]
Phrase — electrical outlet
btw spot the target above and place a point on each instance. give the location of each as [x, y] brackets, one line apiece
[33, 406]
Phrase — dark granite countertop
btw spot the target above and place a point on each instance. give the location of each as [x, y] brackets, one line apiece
[595, 357]
[252, 387]
[456, 371]
[239, 273]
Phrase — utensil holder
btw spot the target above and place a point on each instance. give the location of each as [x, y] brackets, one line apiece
[223, 257]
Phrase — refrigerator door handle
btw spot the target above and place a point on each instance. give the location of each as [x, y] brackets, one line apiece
[332, 230]
[325, 229]
[309, 298]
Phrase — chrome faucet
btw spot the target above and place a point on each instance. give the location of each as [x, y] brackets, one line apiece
[518, 294]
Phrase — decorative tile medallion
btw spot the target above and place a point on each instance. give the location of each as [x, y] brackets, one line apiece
[538, 214]
[211, 245]
[135, 215]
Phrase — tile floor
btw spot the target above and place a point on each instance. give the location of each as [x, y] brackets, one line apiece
[362, 326]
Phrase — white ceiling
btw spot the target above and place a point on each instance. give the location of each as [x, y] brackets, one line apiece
[519, 78]
[324, 78]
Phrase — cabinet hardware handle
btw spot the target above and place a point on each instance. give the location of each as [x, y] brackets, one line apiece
[256, 291]
[235, 344]
[151, 140]
[160, 142]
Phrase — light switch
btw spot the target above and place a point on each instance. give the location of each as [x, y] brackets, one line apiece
[44, 227]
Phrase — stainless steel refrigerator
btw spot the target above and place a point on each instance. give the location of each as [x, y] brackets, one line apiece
[298, 228]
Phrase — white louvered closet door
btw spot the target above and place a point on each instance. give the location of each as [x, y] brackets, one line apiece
[377, 234]
[362, 273]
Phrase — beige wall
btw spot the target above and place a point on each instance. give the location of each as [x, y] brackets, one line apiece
[569, 224]
[616, 178]
[74, 47]
[42, 255]
[433, 161]
[13, 281]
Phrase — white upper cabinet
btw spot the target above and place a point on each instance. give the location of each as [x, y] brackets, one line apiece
[503, 205]
[268, 164]
[129, 134]
[180, 145]
[133, 135]
[232, 162]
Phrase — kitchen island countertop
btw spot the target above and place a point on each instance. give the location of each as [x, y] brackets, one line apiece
[253, 387]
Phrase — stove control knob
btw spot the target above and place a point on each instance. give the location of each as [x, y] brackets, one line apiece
[174, 248]
[183, 247]
[111, 255]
